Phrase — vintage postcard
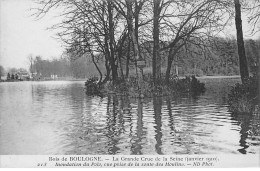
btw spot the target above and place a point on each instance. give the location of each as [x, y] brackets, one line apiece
[129, 83]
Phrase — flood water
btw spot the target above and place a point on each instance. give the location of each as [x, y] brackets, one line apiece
[57, 117]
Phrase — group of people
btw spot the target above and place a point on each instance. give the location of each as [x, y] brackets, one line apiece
[12, 76]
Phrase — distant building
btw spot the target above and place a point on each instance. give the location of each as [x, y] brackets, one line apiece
[35, 76]
[23, 75]
[54, 76]
[4, 77]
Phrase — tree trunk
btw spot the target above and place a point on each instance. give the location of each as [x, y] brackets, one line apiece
[108, 71]
[121, 68]
[93, 60]
[157, 103]
[111, 41]
[258, 76]
[136, 24]
[99, 71]
[169, 66]
[139, 73]
[156, 54]
[240, 43]
[128, 57]
[120, 49]
[172, 54]
[177, 70]
[168, 71]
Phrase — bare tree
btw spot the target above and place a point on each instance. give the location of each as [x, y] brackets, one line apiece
[88, 27]
[190, 22]
[240, 43]
[114, 30]
[252, 9]
[131, 10]
[157, 7]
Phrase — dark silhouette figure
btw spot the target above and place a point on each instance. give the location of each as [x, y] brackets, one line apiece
[8, 76]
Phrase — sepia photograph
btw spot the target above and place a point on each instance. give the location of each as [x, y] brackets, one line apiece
[129, 83]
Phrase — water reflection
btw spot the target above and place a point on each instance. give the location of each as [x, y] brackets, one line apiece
[249, 133]
[113, 128]
[58, 118]
[136, 141]
[157, 105]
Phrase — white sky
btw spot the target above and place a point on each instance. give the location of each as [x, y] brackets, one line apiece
[21, 35]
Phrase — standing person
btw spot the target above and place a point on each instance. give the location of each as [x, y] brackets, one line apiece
[8, 76]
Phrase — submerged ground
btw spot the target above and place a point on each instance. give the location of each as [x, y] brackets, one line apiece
[57, 117]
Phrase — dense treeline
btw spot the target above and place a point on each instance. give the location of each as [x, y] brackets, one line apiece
[63, 67]
[47, 68]
[220, 59]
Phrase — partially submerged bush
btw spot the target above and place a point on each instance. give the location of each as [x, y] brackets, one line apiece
[187, 84]
[175, 85]
[243, 97]
[130, 86]
[92, 87]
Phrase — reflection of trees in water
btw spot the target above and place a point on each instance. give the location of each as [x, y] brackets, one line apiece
[136, 141]
[118, 112]
[171, 120]
[244, 122]
[75, 128]
[181, 123]
[256, 125]
[125, 127]
[111, 129]
[250, 129]
[157, 104]
[38, 93]
[118, 109]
